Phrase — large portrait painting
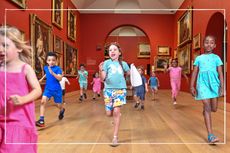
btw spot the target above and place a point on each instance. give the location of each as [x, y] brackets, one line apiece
[160, 62]
[185, 27]
[183, 56]
[21, 3]
[41, 43]
[71, 25]
[144, 50]
[71, 60]
[57, 13]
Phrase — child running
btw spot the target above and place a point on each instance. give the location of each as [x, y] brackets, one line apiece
[62, 83]
[139, 91]
[154, 85]
[112, 72]
[19, 88]
[96, 85]
[175, 73]
[53, 74]
[209, 84]
[83, 81]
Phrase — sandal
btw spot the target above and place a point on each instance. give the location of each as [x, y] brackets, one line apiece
[212, 138]
[115, 141]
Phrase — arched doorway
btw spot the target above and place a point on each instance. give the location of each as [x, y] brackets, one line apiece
[134, 43]
[217, 27]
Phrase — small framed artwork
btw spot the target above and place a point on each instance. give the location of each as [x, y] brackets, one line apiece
[57, 13]
[163, 50]
[183, 55]
[71, 25]
[184, 25]
[58, 45]
[71, 60]
[60, 60]
[41, 42]
[160, 62]
[144, 50]
[21, 3]
[196, 41]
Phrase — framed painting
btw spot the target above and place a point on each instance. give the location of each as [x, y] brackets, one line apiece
[21, 3]
[184, 25]
[60, 60]
[58, 44]
[41, 43]
[57, 13]
[183, 56]
[163, 50]
[195, 54]
[144, 50]
[160, 62]
[71, 60]
[196, 41]
[71, 25]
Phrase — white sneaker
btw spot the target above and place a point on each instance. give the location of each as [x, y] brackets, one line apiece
[174, 103]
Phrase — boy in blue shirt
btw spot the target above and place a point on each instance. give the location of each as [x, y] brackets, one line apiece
[53, 74]
[154, 84]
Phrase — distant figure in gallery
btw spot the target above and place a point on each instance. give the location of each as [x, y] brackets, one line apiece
[53, 74]
[82, 77]
[112, 72]
[154, 85]
[19, 88]
[175, 73]
[209, 82]
[96, 85]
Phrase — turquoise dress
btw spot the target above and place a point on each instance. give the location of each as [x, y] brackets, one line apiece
[208, 82]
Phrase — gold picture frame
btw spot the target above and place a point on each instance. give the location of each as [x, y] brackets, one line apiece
[57, 13]
[197, 41]
[144, 50]
[41, 42]
[60, 60]
[160, 61]
[21, 3]
[71, 25]
[163, 50]
[71, 60]
[183, 55]
[185, 27]
[58, 44]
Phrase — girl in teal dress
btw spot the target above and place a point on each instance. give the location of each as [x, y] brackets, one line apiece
[209, 84]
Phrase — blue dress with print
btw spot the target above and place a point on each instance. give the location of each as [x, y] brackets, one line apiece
[208, 82]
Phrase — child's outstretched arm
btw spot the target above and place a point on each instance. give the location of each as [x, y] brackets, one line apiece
[193, 79]
[67, 81]
[166, 69]
[42, 78]
[35, 88]
[102, 73]
[158, 82]
[221, 77]
[186, 77]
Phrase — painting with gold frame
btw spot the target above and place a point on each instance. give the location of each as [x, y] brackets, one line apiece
[71, 60]
[183, 55]
[163, 50]
[185, 27]
[60, 60]
[21, 3]
[57, 13]
[71, 25]
[196, 41]
[58, 44]
[160, 62]
[144, 50]
[41, 42]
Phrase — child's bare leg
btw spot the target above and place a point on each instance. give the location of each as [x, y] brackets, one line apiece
[207, 115]
[116, 117]
[42, 106]
[214, 104]
[109, 113]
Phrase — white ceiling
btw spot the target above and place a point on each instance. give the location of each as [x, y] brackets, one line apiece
[128, 6]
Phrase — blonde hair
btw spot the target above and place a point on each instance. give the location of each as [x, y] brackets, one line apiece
[15, 35]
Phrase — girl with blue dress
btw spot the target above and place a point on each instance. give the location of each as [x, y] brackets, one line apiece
[209, 82]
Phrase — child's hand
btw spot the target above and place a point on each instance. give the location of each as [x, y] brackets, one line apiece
[193, 91]
[101, 66]
[17, 100]
[221, 91]
[50, 70]
[147, 90]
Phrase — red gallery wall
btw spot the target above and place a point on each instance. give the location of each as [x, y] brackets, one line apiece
[201, 19]
[95, 28]
[20, 19]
